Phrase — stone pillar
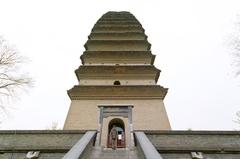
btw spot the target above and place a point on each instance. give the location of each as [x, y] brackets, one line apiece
[131, 137]
[99, 131]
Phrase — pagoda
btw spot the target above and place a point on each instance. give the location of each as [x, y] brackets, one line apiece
[118, 90]
[117, 82]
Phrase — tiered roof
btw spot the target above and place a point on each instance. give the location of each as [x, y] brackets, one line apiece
[118, 49]
[119, 38]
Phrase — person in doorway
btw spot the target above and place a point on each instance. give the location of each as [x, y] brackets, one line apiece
[114, 135]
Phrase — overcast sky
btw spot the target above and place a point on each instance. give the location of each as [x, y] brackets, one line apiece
[188, 38]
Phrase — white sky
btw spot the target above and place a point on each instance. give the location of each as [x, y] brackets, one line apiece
[188, 37]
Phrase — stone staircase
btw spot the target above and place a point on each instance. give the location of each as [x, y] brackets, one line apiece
[99, 153]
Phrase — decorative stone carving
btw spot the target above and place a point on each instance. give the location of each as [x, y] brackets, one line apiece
[197, 155]
[32, 154]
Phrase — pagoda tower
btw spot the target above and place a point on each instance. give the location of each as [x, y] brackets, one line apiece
[117, 82]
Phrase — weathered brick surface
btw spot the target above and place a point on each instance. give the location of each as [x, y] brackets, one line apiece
[23, 155]
[171, 144]
[38, 140]
[180, 144]
[217, 141]
[206, 156]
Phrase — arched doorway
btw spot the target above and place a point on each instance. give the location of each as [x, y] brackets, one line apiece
[117, 83]
[119, 124]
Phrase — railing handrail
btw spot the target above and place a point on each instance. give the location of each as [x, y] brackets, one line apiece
[78, 149]
[146, 146]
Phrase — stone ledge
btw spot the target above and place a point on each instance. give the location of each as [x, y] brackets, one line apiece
[184, 132]
[119, 72]
[117, 17]
[43, 131]
[117, 28]
[128, 54]
[117, 45]
[117, 36]
[117, 57]
[122, 22]
[117, 92]
[117, 13]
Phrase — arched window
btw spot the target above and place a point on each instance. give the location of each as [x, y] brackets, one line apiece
[117, 83]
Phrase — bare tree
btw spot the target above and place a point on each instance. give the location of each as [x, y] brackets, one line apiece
[11, 78]
[235, 46]
[235, 43]
[235, 52]
[237, 120]
[53, 126]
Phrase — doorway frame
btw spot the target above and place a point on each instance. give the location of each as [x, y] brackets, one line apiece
[110, 111]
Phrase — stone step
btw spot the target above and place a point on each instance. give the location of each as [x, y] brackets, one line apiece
[114, 154]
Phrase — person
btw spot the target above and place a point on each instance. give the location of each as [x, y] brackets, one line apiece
[114, 135]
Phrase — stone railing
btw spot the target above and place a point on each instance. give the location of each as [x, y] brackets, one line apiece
[145, 148]
[82, 148]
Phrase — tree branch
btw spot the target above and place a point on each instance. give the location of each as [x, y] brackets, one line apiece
[11, 79]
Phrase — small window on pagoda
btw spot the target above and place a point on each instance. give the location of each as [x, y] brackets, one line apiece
[117, 83]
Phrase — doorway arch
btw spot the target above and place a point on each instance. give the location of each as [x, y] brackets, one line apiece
[116, 83]
[119, 124]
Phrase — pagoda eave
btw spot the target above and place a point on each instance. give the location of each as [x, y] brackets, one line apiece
[117, 36]
[117, 92]
[120, 72]
[114, 28]
[117, 57]
[117, 45]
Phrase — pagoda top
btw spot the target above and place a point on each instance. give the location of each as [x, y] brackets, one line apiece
[117, 38]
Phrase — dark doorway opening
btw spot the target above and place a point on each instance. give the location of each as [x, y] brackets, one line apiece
[117, 83]
[119, 125]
